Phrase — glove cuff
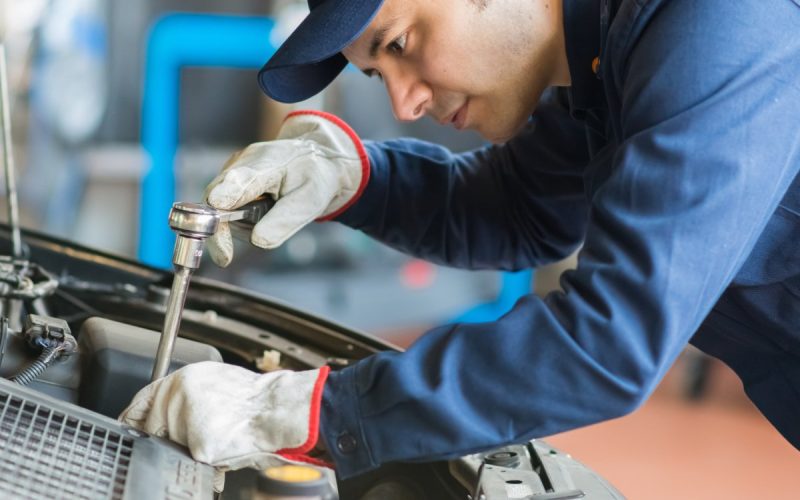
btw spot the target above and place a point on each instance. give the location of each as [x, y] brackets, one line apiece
[360, 150]
[299, 453]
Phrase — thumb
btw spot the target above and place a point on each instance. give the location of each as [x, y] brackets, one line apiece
[219, 480]
[290, 214]
[220, 245]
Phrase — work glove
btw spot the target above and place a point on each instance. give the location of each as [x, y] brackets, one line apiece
[315, 169]
[230, 417]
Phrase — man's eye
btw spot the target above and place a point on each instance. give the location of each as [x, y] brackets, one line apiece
[398, 45]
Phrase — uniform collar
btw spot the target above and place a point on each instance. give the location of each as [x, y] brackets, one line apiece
[583, 37]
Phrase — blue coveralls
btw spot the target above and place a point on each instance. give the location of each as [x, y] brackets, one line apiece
[675, 166]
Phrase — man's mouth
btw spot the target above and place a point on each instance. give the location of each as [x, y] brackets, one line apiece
[459, 118]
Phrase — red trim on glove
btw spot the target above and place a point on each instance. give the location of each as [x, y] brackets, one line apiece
[299, 453]
[362, 155]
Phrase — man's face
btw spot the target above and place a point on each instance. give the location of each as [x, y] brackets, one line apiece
[475, 64]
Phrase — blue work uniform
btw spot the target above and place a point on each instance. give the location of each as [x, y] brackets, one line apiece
[674, 164]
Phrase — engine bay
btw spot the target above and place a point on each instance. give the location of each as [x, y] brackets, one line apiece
[102, 314]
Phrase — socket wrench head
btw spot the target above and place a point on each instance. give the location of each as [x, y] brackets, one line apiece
[194, 219]
[202, 221]
[188, 251]
[194, 222]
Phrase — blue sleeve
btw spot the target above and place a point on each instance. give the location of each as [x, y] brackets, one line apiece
[708, 144]
[509, 207]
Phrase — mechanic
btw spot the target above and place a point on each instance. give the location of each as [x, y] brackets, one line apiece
[661, 136]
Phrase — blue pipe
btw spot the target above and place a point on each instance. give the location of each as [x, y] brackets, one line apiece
[513, 286]
[176, 41]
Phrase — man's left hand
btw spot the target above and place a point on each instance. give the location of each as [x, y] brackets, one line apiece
[231, 417]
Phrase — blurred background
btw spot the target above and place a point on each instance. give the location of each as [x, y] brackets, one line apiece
[104, 93]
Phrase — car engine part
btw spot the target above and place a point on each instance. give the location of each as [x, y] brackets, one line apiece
[301, 482]
[117, 306]
[52, 336]
[51, 449]
[117, 362]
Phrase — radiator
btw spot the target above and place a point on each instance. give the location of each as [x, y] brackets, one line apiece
[52, 449]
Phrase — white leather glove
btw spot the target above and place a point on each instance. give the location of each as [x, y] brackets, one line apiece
[315, 169]
[231, 417]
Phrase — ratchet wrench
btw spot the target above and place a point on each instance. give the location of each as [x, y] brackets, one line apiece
[194, 223]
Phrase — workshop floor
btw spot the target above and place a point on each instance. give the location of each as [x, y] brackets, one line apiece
[719, 447]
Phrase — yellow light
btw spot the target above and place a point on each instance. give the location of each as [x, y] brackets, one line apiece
[293, 473]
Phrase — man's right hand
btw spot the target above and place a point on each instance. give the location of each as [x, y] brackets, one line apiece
[315, 169]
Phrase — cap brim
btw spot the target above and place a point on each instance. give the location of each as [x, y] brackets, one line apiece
[311, 57]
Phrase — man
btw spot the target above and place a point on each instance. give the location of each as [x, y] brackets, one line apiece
[662, 136]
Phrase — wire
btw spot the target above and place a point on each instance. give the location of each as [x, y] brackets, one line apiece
[45, 359]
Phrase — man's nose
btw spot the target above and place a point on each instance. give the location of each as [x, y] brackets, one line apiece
[410, 96]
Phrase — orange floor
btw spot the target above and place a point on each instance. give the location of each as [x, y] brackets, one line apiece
[719, 447]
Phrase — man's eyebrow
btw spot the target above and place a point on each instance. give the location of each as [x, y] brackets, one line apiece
[379, 36]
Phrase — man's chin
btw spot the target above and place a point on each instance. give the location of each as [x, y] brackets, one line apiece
[498, 140]
[501, 136]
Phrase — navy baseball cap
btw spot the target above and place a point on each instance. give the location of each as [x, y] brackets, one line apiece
[311, 57]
